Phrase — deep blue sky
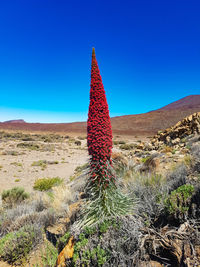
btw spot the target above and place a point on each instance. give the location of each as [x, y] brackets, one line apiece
[148, 53]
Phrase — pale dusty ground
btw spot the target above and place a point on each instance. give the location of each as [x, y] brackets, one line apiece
[67, 153]
[69, 156]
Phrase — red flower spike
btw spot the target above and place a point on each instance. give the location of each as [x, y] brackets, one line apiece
[99, 132]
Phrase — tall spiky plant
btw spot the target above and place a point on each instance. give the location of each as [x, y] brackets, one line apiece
[104, 197]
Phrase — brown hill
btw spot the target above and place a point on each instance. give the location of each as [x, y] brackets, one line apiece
[188, 102]
[143, 124]
[15, 121]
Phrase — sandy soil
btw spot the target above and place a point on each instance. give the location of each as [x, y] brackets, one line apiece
[18, 170]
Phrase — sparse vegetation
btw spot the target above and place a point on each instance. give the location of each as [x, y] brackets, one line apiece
[167, 149]
[127, 146]
[143, 160]
[15, 246]
[77, 142]
[82, 167]
[11, 153]
[78, 171]
[81, 137]
[121, 142]
[40, 163]
[31, 146]
[18, 164]
[14, 196]
[43, 163]
[49, 256]
[45, 184]
[187, 160]
[178, 201]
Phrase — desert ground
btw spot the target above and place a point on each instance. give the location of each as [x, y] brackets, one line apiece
[51, 159]
[23, 162]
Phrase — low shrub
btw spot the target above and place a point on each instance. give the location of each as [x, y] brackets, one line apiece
[121, 142]
[47, 147]
[127, 146]
[49, 256]
[153, 180]
[17, 164]
[177, 202]
[45, 184]
[187, 160]
[120, 164]
[115, 142]
[51, 162]
[40, 163]
[15, 246]
[78, 171]
[81, 137]
[10, 153]
[97, 246]
[167, 149]
[14, 196]
[43, 163]
[195, 149]
[143, 160]
[28, 138]
[27, 213]
[81, 167]
[176, 178]
[62, 241]
[77, 142]
[31, 146]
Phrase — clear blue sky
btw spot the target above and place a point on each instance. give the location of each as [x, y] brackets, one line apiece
[148, 53]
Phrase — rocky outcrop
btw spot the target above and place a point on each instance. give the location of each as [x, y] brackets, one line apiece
[66, 253]
[175, 134]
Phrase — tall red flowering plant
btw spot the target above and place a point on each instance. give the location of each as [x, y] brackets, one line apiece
[104, 198]
[99, 132]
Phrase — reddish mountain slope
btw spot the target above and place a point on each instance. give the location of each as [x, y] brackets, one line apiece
[142, 124]
[15, 121]
[188, 102]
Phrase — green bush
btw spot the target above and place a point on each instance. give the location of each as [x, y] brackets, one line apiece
[39, 163]
[45, 184]
[15, 246]
[77, 142]
[10, 153]
[143, 160]
[89, 249]
[121, 142]
[153, 180]
[115, 143]
[178, 201]
[62, 241]
[17, 164]
[31, 146]
[43, 163]
[81, 167]
[81, 137]
[127, 146]
[14, 196]
[49, 256]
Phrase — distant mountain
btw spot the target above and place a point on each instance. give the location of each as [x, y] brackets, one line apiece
[142, 124]
[191, 101]
[15, 121]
